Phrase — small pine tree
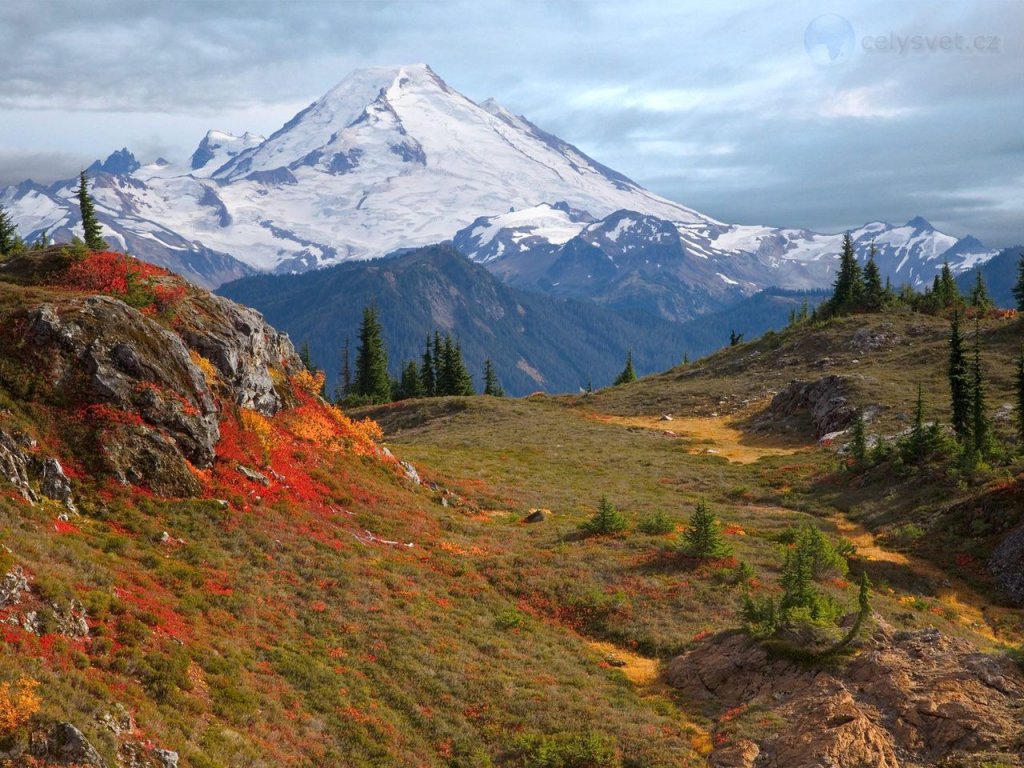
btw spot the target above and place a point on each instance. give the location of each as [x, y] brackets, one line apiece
[945, 288]
[1018, 287]
[90, 224]
[453, 379]
[345, 375]
[628, 374]
[306, 358]
[917, 445]
[859, 443]
[980, 299]
[410, 385]
[735, 339]
[704, 537]
[372, 383]
[848, 285]
[606, 521]
[873, 291]
[428, 378]
[981, 428]
[1020, 397]
[959, 381]
[492, 386]
[9, 240]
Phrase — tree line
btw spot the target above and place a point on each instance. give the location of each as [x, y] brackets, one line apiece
[11, 241]
[440, 372]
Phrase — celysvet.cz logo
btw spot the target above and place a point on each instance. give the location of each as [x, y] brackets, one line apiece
[830, 41]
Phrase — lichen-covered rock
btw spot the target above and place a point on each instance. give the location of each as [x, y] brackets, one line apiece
[908, 699]
[244, 349]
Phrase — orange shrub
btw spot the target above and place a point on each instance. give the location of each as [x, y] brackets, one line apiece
[18, 704]
[260, 426]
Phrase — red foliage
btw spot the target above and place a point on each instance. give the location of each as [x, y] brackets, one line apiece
[62, 526]
[109, 272]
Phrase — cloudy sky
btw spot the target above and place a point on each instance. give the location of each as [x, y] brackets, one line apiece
[739, 111]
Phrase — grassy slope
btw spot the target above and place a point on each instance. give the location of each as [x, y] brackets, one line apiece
[272, 636]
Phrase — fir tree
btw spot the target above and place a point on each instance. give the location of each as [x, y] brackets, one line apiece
[90, 224]
[858, 442]
[704, 536]
[945, 288]
[492, 386]
[410, 385]
[981, 438]
[735, 339]
[980, 299]
[452, 376]
[874, 292]
[1018, 287]
[628, 374]
[1020, 397]
[428, 380]
[304, 356]
[345, 376]
[9, 240]
[372, 383]
[847, 288]
[607, 520]
[917, 446]
[959, 381]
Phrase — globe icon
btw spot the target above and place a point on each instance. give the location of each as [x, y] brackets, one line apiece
[828, 40]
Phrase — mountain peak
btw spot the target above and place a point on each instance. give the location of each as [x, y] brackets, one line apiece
[919, 222]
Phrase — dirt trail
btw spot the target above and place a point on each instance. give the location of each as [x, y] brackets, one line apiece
[715, 435]
[645, 675]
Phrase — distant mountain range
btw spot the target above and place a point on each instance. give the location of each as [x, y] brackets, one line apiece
[393, 158]
[536, 342]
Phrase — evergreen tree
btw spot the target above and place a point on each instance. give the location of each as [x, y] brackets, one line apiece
[372, 383]
[628, 374]
[979, 294]
[428, 380]
[704, 536]
[345, 376]
[492, 386]
[917, 446]
[1020, 397]
[874, 292]
[858, 442]
[452, 376]
[847, 288]
[607, 520]
[410, 385]
[304, 356]
[90, 224]
[959, 381]
[1018, 287]
[981, 438]
[945, 288]
[735, 339]
[9, 240]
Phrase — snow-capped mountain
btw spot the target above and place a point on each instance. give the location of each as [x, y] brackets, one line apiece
[393, 158]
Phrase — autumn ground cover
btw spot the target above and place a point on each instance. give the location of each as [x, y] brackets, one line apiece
[339, 614]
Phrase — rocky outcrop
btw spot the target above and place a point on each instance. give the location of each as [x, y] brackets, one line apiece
[908, 699]
[1007, 565]
[825, 401]
[16, 463]
[244, 349]
[129, 361]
